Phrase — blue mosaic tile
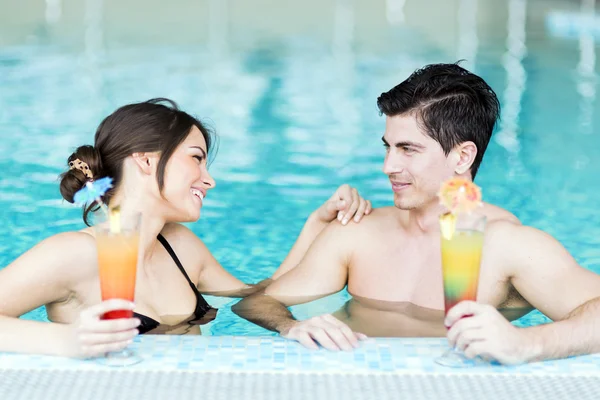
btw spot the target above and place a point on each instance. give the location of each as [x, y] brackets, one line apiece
[212, 353]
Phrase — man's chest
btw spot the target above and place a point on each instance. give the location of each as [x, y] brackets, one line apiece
[412, 272]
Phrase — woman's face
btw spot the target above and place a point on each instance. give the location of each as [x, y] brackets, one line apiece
[186, 180]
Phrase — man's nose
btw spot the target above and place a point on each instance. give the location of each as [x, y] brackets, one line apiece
[392, 164]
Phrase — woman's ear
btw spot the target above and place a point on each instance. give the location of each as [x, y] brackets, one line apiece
[465, 154]
[146, 162]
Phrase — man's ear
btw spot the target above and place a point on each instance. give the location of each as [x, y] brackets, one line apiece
[146, 162]
[465, 154]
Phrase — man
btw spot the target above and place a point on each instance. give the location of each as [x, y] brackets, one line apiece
[438, 124]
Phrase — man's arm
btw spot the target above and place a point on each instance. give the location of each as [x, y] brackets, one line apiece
[322, 271]
[552, 281]
[544, 272]
[578, 334]
[548, 277]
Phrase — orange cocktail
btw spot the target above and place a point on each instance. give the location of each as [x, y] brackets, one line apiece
[117, 264]
[117, 242]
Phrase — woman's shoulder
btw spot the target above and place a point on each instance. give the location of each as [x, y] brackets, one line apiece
[188, 247]
[72, 243]
[68, 255]
[183, 239]
[75, 248]
[177, 232]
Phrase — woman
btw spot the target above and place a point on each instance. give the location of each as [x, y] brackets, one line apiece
[156, 155]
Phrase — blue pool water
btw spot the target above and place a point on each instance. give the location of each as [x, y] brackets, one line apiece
[294, 107]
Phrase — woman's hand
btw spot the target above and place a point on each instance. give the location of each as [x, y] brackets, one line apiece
[345, 205]
[91, 336]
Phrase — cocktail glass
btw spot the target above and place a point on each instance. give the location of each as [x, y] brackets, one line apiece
[462, 245]
[117, 242]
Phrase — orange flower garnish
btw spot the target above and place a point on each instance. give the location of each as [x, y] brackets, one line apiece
[460, 195]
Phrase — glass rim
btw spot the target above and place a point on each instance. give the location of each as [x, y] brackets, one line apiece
[468, 215]
[128, 223]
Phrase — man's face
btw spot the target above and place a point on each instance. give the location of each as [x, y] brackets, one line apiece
[414, 162]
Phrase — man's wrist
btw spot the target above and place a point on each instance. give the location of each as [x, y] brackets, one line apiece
[285, 327]
[534, 344]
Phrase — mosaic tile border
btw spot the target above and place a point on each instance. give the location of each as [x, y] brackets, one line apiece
[274, 354]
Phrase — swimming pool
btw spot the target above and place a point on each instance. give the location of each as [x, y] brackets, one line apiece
[294, 106]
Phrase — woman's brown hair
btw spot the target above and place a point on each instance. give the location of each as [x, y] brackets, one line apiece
[156, 125]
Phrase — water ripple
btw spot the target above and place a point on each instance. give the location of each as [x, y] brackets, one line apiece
[295, 121]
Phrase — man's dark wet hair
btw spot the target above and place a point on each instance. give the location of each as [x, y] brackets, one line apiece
[452, 106]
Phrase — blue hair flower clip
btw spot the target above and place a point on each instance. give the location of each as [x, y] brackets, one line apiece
[93, 191]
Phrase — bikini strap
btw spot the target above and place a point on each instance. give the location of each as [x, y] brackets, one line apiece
[171, 252]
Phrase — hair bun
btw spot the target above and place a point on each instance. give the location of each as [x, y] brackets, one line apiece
[84, 164]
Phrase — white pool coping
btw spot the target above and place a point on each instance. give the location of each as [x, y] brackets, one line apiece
[181, 365]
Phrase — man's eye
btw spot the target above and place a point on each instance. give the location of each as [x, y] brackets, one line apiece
[408, 150]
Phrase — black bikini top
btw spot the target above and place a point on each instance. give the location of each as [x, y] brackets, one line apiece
[203, 314]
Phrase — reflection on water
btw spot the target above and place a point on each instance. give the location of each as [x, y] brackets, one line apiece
[516, 78]
[379, 318]
[290, 87]
[467, 38]
[586, 70]
[53, 11]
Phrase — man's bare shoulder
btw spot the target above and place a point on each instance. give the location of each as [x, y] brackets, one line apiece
[515, 242]
[495, 213]
[347, 237]
[376, 221]
[500, 231]
[385, 213]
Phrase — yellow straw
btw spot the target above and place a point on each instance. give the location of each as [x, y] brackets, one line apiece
[115, 220]
[448, 225]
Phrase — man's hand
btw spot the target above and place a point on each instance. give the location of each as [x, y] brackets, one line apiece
[345, 204]
[480, 330]
[325, 330]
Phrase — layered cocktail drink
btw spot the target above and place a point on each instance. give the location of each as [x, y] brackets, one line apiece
[462, 233]
[461, 260]
[117, 242]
